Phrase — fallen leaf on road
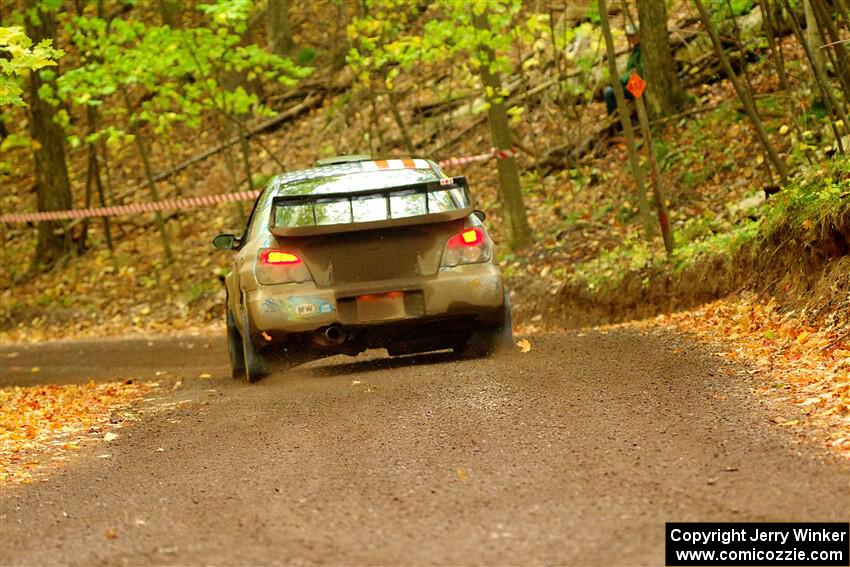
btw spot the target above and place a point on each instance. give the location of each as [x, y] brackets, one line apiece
[205, 375]
[524, 345]
[40, 424]
[461, 475]
[110, 436]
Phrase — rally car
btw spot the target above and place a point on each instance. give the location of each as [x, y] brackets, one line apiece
[356, 254]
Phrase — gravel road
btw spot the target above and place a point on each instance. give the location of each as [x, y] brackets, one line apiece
[577, 452]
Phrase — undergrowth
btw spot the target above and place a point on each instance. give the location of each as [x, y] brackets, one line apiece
[816, 202]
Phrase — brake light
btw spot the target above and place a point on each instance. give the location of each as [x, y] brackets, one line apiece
[277, 257]
[469, 247]
[469, 237]
[280, 266]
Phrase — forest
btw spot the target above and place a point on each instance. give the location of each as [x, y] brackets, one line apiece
[645, 166]
[666, 184]
[109, 104]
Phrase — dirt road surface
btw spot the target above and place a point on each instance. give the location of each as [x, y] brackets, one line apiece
[574, 453]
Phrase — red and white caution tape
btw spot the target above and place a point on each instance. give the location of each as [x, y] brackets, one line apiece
[493, 153]
[206, 200]
[164, 205]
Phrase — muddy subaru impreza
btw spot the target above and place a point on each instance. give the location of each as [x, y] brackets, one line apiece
[356, 254]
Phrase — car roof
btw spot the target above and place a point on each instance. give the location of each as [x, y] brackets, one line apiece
[297, 178]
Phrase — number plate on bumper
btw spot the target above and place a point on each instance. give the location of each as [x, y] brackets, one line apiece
[380, 307]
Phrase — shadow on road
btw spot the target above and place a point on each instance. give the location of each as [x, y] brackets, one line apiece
[330, 367]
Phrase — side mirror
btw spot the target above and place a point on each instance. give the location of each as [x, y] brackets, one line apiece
[482, 216]
[226, 242]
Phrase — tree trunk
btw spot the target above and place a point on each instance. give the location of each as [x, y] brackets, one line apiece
[830, 35]
[51, 171]
[169, 12]
[813, 39]
[94, 175]
[399, 121]
[822, 82]
[246, 159]
[743, 94]
[665, 94]
[739, 42]
[510, 191]
[626, 120]
[660, 198]
[278, 32]
[143, 152]
[843, 10]
[778, 60]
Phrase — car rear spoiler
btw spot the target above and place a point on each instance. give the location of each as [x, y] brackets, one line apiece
[309, 225]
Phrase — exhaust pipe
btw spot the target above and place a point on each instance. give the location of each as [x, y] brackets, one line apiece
[334, 335]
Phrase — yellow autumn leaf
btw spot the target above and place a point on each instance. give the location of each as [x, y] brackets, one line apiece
[524, 345]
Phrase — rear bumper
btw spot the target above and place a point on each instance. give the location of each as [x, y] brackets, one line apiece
[475, 289]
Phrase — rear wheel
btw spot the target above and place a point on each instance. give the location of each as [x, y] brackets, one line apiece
[234, 347]
[489, 341]
[256, 365]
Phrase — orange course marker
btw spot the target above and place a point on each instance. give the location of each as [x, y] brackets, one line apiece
[636, 85]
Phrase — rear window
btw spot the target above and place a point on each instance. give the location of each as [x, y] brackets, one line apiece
[353, 208]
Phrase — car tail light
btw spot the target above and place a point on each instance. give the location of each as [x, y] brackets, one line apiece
[468, 247]
[272, 257]
[280, 266]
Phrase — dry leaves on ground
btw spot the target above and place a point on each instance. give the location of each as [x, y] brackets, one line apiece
[807, 366]
[40, 424]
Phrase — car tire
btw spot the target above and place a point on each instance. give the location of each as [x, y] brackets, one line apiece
[234, 347]
[256, 365]
[498, 338]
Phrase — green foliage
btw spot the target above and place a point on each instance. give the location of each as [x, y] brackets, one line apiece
[181, 75]
[381, 39]
[814, 204]
[231, 14]
[18, 57]
[741, 7]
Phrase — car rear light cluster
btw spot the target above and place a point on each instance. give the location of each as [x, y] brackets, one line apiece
[280, 266]
[469, 247]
